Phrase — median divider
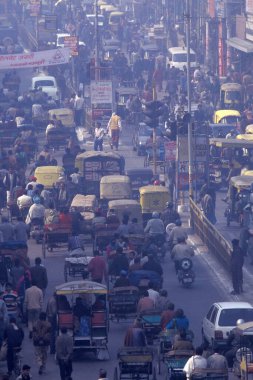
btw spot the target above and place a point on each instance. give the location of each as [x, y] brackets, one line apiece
[210, 236]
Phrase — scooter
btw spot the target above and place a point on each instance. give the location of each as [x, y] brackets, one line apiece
[185, 273]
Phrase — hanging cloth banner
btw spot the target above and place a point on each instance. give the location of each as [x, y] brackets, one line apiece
[35, 59]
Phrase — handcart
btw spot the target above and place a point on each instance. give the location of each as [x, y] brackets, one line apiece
[151, 323]
[135, 363]
[76, 267]
[175, 362]
[123, 302]
[55, 236]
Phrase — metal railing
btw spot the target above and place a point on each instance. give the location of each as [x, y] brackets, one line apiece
[210, 236]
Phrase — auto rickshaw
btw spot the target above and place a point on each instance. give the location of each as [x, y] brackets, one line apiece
[86, 205]
[239, 198]
[114, 187]
[249, 129]
[82, 308]
[122, 95]
[243, 364]
[129, 207]
[94, 165]
[48, 175]
[231, 94]
[230, 117]
[115, 20]
[139, 178]
[153, 198]
[65, 115]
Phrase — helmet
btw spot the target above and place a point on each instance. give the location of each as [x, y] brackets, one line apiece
[239, 322]
[155, 214]
[156, 182]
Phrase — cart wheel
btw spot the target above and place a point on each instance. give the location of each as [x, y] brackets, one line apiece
[154, 374]
[43, 248]
[115, 375]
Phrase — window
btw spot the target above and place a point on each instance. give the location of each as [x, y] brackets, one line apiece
[214, 315]
[209, 313]
[229, 317]
[44, 83]
[182, 57]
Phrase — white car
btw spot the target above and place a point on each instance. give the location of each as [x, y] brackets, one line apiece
[48, 85]
[222, 318]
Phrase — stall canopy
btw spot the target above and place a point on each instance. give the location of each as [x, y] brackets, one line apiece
[240, 44]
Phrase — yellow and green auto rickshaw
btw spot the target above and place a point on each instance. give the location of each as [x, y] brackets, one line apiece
[231, 94]
[114, 187]
[228, 117]
[239, 198]
[49, 175]
[129, 207]
[65, 115]
[153, 198]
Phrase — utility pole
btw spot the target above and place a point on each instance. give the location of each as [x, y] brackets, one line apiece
[188, 39]
[96, 42]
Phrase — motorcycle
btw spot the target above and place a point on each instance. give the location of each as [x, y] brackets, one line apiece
[185, 273]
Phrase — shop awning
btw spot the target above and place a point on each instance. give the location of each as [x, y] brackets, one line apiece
[239, 44]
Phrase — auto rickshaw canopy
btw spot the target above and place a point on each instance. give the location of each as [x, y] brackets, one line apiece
[65, 115]
[48, 175]
[248, 137]
[222, 116]
[153, 198]
[249, 129]
[130, 207]
[241, 182]
[115, 187]
[80, 287]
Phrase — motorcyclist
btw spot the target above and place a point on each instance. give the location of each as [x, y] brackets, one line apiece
[169, 215]
[233, 344]
[155, 227]
[36, 212]
[181, 251]
[177, 232]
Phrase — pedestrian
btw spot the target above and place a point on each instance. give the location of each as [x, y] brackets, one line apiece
[41, 340]
[79, 109]
[10, 297]
[208, 205]
[217, 361]
[102, 374]
[52, 318]
[64, 353]
[237, 259]
[98, 137]
[33, 304]
[39, 275]
[25, 373]
[97, 268]
[195, 362]
[21, 230]
[14, 336]
[114, 128]
[16, 272]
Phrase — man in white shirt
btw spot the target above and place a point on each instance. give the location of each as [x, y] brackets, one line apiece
[99, 134]
[79, 109]
[195, 363]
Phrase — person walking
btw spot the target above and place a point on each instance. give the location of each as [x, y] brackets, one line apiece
[114, 128]
[237, 260]
[98, 137]
[39, 275]
[33, 304]
[79, 109]
[52, 318]
[64, 353]
[41, 340]
[14, 336]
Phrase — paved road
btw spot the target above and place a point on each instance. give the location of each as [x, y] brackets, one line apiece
[195, 301]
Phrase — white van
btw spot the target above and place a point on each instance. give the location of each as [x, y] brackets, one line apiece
[177, 57]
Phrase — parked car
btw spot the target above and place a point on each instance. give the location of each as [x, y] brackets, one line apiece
[222, 318]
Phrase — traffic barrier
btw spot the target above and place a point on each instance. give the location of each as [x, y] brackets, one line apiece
[210, 236]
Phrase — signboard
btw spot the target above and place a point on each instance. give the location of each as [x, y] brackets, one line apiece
[249, 6]
[71, 42]
[170, 151]
[51, 23]
[35, 7]
[34, 59]
[101, 92]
